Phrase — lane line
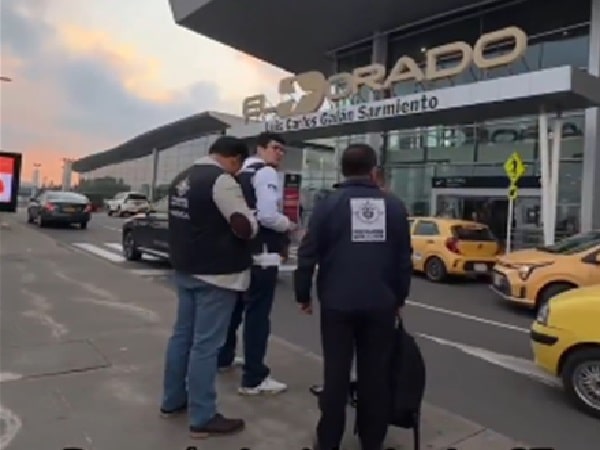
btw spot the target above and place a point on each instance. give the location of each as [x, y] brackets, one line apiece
[473, 318]
[514, 364]
[111, 228]
[99, 251]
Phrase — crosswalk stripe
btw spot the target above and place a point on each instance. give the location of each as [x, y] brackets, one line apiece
[99, 251]
[119, 247]
[114, 245]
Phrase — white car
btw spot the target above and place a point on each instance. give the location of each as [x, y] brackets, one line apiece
[127, 203]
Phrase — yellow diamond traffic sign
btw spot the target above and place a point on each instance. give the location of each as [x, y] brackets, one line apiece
[513, 191]
[514, 167]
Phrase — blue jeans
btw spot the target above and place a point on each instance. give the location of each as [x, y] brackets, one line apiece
[200, 329]
[255, 309]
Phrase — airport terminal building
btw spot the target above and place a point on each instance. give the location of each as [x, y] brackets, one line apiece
[446, 91]
[147, 163]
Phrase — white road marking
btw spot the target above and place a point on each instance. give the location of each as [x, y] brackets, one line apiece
[11, 425]
[111, 228]
[41, 310]
[114, 245]
[8, 376]
[150, 272]
[141, 312]
[461, 315]
[119, 247]
[514, 364]
[99, 251]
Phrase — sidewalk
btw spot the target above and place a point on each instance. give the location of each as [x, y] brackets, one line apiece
[82, 346]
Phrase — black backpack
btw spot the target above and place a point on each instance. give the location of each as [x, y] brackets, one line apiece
[408, 378]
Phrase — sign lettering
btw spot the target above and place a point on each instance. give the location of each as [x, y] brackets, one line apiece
[317, 88]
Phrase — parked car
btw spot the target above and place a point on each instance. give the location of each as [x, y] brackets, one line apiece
[444, 246]
[127, 203]
[566, 343]
[147, 232]
[59, 207]
[531, 277]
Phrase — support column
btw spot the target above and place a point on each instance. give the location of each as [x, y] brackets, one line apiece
[155, 158]
[378, 56]
[556, 141]
[590, 178]
[545, 169]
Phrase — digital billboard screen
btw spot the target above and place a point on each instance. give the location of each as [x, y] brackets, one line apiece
[10, 174]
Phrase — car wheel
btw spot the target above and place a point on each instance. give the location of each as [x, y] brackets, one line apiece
[435, 269]
[130, 249]
[550, 291]
[83, 225]
[581, 379]
[109, 212]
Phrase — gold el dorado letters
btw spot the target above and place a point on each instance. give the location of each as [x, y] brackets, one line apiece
[342, 85]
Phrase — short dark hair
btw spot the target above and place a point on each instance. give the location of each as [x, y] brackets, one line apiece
[358, 160]
[263, 139]
[229, 147]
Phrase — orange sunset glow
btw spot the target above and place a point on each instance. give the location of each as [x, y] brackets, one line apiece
[85, 79]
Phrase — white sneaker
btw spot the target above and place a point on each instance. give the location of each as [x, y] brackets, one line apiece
[238, 361]
[268, 386]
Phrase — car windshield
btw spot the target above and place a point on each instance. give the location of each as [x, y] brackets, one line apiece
[65, 197]
[472, 233]
[574, 244]
[137, 197]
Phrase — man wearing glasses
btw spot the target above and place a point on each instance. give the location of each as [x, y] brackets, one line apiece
[263, 192]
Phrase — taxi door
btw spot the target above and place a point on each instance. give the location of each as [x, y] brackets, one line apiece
[424, 234]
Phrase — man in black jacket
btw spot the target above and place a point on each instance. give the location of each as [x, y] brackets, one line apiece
[359, 238]
[210, 226]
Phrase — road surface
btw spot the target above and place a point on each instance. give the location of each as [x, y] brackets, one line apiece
[477, 348]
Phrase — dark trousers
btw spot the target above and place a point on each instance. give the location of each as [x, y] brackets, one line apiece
[255, 308]
[371, 335]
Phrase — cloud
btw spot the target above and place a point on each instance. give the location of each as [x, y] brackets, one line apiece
[77, 91]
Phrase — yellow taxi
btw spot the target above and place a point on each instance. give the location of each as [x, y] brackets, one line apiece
[444, 246]
[531, 277]
[565, 340]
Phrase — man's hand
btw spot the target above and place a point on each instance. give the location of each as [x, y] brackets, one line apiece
[306, 307]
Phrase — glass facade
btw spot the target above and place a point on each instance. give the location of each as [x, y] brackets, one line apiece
[558, 35]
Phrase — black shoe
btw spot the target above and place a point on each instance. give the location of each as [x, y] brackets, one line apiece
[217, 426]
[173, 412]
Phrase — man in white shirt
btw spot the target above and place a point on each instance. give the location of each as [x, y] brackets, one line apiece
[262, 189]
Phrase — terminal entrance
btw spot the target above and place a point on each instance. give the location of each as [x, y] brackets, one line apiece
[489, 205]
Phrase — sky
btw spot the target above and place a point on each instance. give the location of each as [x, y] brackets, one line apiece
[90, 74]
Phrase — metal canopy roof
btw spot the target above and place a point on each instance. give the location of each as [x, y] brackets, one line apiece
[159, 138]
[296, 35]
[169, 135]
